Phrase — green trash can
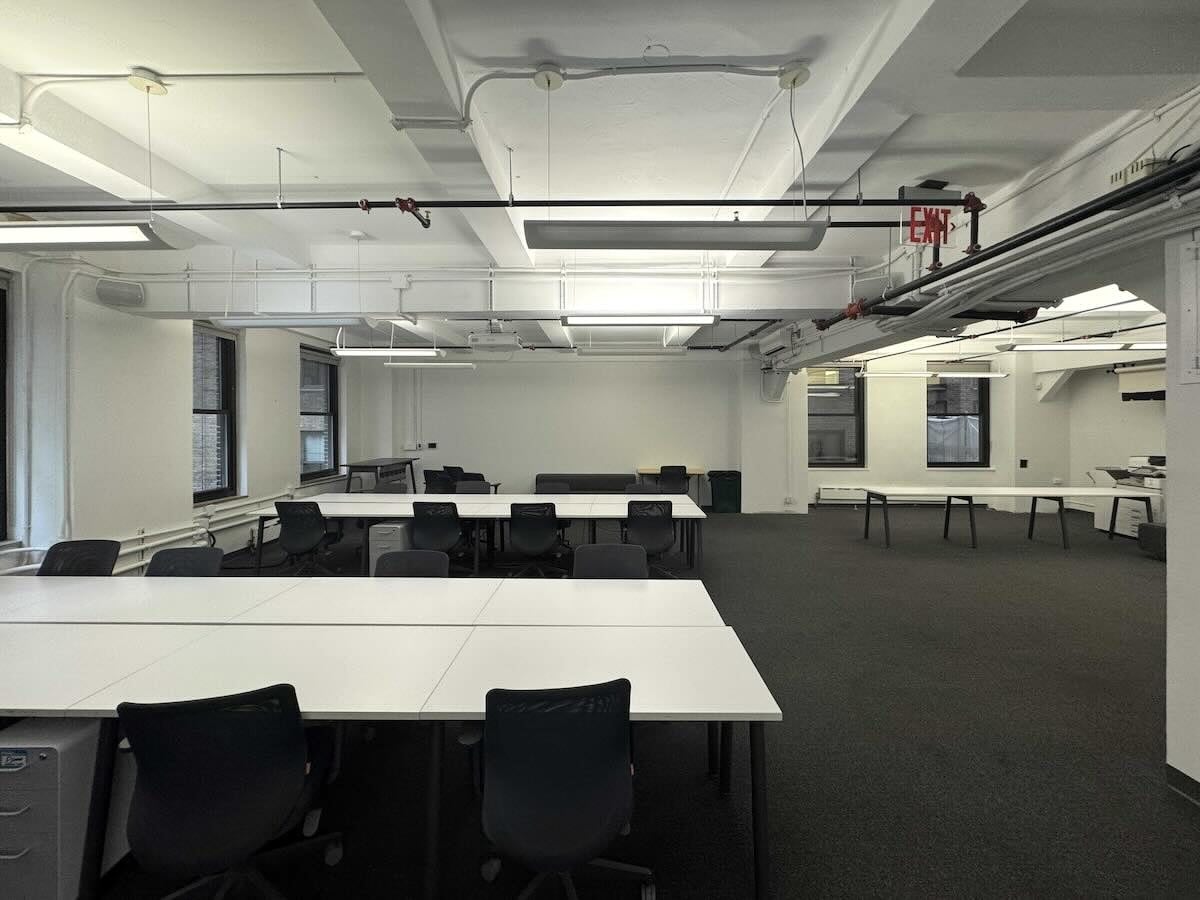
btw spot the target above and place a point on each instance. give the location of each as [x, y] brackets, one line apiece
[725, 486]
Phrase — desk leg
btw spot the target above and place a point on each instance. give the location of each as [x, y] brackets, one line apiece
[591, 531]
[887, 524]
[1032, 515]
[412, 477]
[867, 518]
[258, 553]
[433, 808]
[1149, 510]
[97, 817]
[1112, 518]
[366, 546]
[1062, 521]
[726, 779]
[476, 542]
[971, 515]
[946, 522]
[758, 805]
[714, 750]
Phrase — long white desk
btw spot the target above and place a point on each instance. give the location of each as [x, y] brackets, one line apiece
[590, 603]
[496, 507]
[969, 493]
[154, 601]
[375, 601]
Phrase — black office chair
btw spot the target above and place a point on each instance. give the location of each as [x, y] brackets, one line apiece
[436, 526]
[438, 482]
[186, 562]
[467, 486]
[610, 561]
[673, 480]
[413, 564]
[558, 783]
[533, 534]
[557, 487]
[651, 525]
[303, 534]
[454, 473]
[218, 780]
[80, 558]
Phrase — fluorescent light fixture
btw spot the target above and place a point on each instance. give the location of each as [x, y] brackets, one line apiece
[80, 236]
[923, 375]
[640, 320]
[1075, 346]
[386, 351]
[543, 234]
[970, 374]
[285, 322]
[430, 365]
[1147, 345]
[829, 387]
[823, 394]
[631, 351]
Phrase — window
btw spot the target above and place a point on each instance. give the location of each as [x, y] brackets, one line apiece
[836, 419]
[956, 423]
[318, 414]
[214, 376]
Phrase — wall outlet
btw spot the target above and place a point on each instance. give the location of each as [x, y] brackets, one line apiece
[1024, 464]
[432, 445]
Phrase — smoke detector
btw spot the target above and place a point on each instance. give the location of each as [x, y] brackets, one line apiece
[146, 81]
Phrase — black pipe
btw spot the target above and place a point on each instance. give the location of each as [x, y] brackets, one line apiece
[749, 334]
[1146, 187]
[265, 205]
[1021, 315]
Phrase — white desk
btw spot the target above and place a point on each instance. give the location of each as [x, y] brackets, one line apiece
[376, 601]
[969, 493]
[46, 669]
[152, 601]
[339, 671]
[526, 601]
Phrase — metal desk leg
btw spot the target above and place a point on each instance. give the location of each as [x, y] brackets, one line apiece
[1149, 510]
[714, 751]
[476, 542]
[867, 518]
[1032, 515]
[262, 522]
[97, 817]
[1062, 521]
[433, 808]
[366, 546]
[758, 807]
[887, 524]
[412, 477]
[591, 531]
[971, 515]
[726, 779]
[349, 476]
[1112, 519]
[946, 522]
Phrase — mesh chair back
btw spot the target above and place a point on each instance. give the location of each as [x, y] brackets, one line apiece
[438, 482]
[186, 562]
[557, 782]
[216, 779]
[301, 526]
[472, 487]
[80, 558]
[454, 473]
[650, 524]
[610, 561]
[413, 564]
[435, 526]
[472, 476]
[552, 487]
[532, 528]
[673, 480]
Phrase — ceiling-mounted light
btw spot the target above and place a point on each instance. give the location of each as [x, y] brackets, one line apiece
[923, 375]
[967, 374]
[146, 81]
[631, 351]
[823, 394]
[1075, 346]
[80, 236]
[285, 322]
[542, 234]
[1147, 345]
[430, 365]
[387, 351]
[641, 320]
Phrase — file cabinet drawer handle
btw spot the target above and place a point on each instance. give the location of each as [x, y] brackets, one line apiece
[9, 857]
[10, 813]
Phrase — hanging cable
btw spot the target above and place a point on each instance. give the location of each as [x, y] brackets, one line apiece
[800, 147]
[149, 158]
[547, 152]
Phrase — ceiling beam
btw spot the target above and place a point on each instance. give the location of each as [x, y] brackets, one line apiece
[401, 49]
[556, 333]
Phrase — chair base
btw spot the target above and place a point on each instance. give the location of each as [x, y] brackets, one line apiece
[624, 871]
[251, 876]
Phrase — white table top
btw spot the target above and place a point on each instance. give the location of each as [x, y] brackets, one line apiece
[339, 671]
[154, 601]
[45, 669]
[483, 506]
[678, 674]
[375, 601]
[585, 602]
[967, 490]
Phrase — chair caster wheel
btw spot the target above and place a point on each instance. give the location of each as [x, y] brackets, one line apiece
[648, 892]
[490, 870]
[312, 821]
[333, 854]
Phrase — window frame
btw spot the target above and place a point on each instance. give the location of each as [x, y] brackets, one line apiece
[985, 429]
[324, 357]
[229, 408]
[860, 424]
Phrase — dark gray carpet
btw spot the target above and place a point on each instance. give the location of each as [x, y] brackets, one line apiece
[956, 723]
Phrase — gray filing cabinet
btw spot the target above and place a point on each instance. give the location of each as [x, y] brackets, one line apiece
[388, 536]
[46, 772]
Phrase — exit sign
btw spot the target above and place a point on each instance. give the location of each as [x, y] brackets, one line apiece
[929, 225]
